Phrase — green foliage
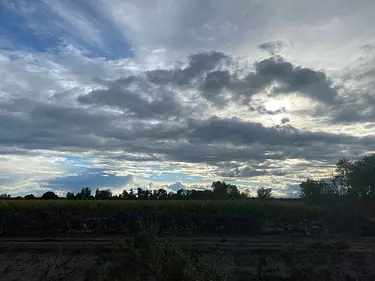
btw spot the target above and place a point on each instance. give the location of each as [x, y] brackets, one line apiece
[264, 193]
[312, 189]
[4, 196]
[49, 195]
[355, 178]
[70, 196]
[29, 197]
[84, 194]
[103, 194]
[144, 257]
[360, 176]
[222, 190]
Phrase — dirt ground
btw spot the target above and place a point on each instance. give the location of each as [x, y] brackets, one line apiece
[241, 258]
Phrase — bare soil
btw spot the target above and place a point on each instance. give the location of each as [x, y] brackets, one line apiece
[240, 257]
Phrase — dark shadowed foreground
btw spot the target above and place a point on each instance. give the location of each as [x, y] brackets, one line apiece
[235, 257]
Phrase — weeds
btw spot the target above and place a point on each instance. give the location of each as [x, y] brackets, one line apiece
[143, 257]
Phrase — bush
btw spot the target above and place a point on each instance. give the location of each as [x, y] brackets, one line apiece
[144, 258]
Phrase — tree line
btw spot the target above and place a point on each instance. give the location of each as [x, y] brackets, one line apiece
[219, 191]
[349, 179]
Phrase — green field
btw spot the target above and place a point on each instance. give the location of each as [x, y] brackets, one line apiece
[95, 208]
[39, 217]
[251, 216]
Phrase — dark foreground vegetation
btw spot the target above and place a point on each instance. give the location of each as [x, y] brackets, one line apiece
[342, 205]
[145, 257]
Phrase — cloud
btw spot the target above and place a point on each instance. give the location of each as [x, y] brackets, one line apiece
[367, 48]
[92, 178]
[139, 100]
[152, 115]
[238, 132]
[196, 94]
[272, 47]
[311, 83]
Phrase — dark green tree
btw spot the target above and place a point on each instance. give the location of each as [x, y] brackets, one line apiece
[104, 194]
[312, 190]
[4, 196]
[70, 196]
[222, 190]
[143, 194]
[49, 195]
[264, 193]
[29, 197]
[85, 193]
[160, 194]
[355, 177]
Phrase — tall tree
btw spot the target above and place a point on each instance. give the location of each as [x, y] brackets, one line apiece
[49, 195]
[264, 193]
[85, 193]
[104, 194]
[70, 196]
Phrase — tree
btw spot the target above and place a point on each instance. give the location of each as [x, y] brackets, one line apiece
[264, 193]
[221, 190]
[312, 190]
[104, 194]
[4, 196]
[70, 196]
[49, 195]
[30, 197]
[124, 195]
[131, 195]
[85, 193]
[357, 178]
[143, 194]
[160, 194]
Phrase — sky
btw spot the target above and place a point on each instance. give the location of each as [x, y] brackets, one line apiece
[177, 94]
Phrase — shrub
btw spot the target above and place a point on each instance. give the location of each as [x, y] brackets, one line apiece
[144, 257]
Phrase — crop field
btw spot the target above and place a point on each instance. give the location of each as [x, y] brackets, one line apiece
[36, 217]
[106, 207]
[244, 239]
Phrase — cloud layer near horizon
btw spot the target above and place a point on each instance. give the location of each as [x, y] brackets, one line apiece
[97, 95]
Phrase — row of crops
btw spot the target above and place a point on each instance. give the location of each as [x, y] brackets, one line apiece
[48, 217]
[87, 208]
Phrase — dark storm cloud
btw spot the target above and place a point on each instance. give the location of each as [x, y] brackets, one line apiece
[198, 65]
[359, 104]
[211, 140]
[239, 132]
[353, 113]
[154, 119]
[203, 73]
[212, 87]
[139, 104]
[272, 47]
[311, 83]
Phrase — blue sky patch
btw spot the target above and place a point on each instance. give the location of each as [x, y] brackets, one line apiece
[40, 29]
